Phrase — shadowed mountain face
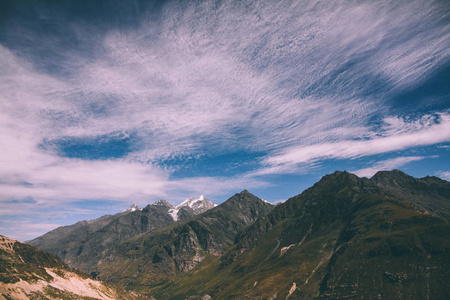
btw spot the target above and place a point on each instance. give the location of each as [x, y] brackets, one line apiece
[431, 193]
[29, 273]
[345, 237]
[84, 244]
[159, 256]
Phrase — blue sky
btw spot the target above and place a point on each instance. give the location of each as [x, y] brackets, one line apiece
[105, 104]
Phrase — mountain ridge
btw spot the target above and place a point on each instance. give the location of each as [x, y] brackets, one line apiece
[156, 256]
[344, 237]
[83, 244]
[429, 192]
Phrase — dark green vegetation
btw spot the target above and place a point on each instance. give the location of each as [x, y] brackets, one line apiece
[346, 237]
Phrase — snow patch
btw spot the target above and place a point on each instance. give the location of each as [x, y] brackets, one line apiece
[132, 208]
[188, 202]
[264, 200]
[284, 249]
[174, 213]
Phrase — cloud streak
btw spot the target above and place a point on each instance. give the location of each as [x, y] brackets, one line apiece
[444, 175]
[351, 149]
[389, 164]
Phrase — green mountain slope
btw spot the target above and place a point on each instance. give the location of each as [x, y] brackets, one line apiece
[149, 260]
[343, 238]
[29, 273]
[83, 245]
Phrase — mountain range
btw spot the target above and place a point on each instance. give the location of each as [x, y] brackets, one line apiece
[84, 245]
[344, 238]
[147, 261]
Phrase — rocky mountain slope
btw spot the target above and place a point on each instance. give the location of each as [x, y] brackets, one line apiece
[29, 273]
[84, 244]
[149, 260]
[430, 192]
[344, 238]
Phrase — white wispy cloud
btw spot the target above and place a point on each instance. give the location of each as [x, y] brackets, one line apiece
[32, 229]
[389, 164]
[217, 185]
[444, 175]
[426, 134]
[273, 74]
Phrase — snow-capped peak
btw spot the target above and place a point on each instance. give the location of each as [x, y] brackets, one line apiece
[132, 208]
[198, 205]
[163, 203]
[188, 202]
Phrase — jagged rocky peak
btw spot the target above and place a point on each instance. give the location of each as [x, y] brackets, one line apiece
[434, 179]
[342, 175]
[428, 192]
[163, 203]
[198, 205]
[394, 178]
[341, 178]
[132, 208]
[246, 200]
[390, 174]
[399, 178]
[190, 207]
[246, 193]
